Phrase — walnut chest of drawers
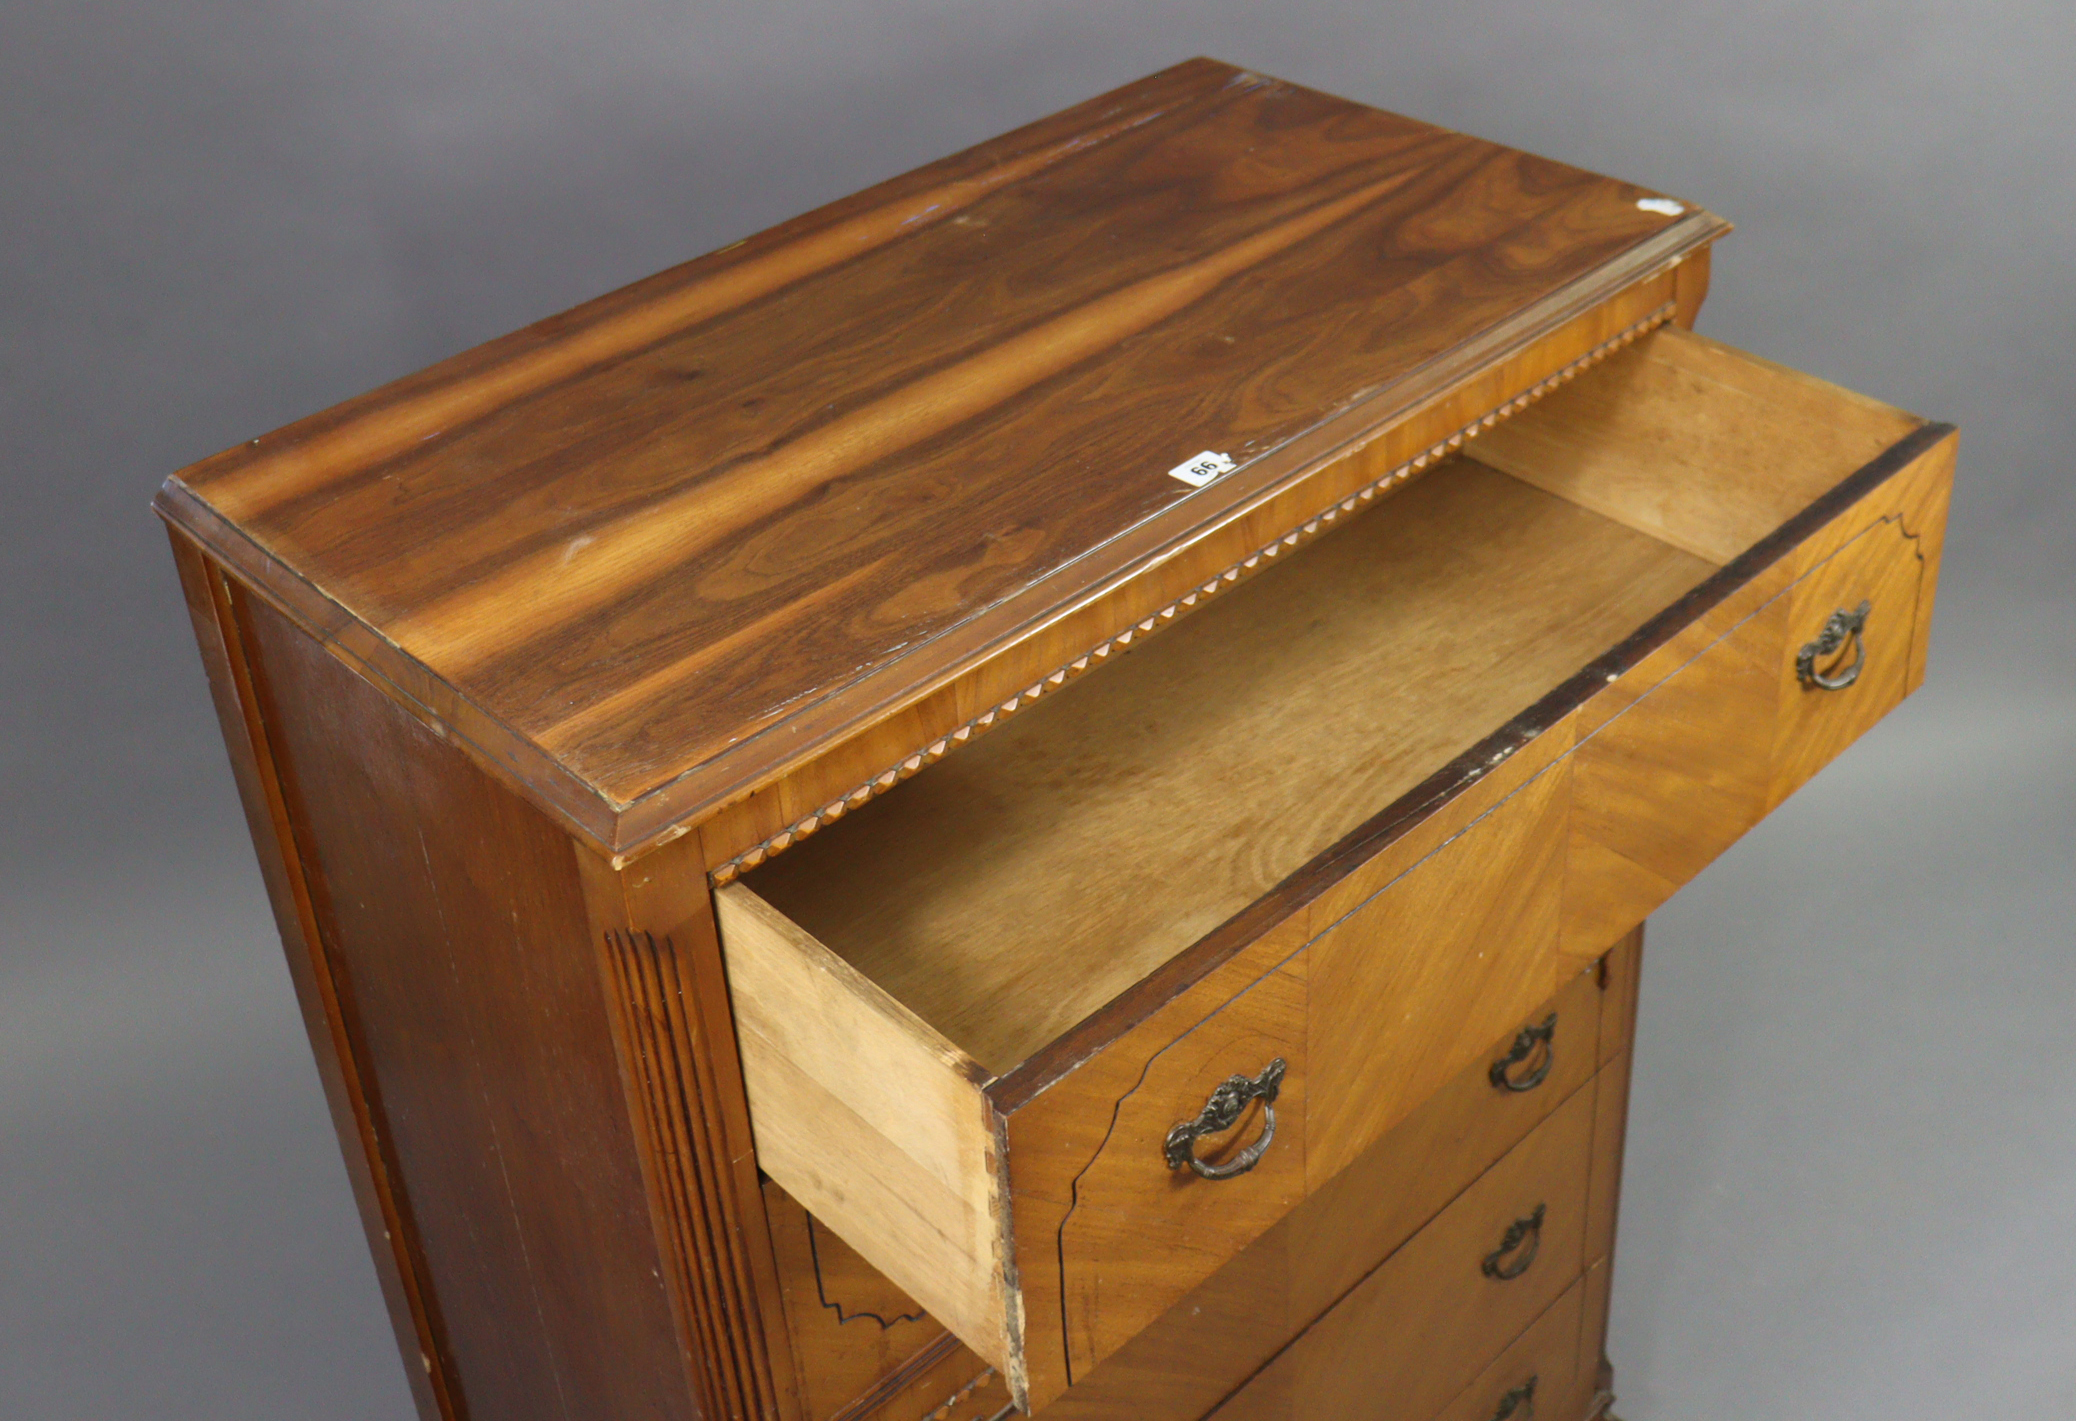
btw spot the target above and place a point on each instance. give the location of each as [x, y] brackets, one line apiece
[1036, 790]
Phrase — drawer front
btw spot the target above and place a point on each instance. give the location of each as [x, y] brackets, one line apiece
[1842, 668]
[1541, 1374]
[1421, 977]
[1429, 1319]
[1224, 1330]
[1201, 1157]
[1673, 764]
[1410, 986]
[1036, 1211]
[1697, 742]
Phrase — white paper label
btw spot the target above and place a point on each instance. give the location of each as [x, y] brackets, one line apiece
[1663, 205]
[1203, 468]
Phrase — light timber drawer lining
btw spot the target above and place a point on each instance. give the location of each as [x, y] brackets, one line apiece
[938, 748]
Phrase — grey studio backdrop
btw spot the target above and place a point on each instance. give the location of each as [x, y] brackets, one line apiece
[1848, 1188]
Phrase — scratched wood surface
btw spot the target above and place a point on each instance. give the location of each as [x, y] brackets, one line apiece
[640, 538]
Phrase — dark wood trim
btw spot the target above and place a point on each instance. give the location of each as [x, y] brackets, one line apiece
[391, 1234]
[1183, 971]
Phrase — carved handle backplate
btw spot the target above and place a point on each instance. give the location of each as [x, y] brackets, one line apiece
[1842, 627]
[1220, 1114]
[1517, 1249]
[1520, 1402]
[1537, 1042]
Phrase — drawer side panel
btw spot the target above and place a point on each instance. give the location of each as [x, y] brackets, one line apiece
[454, 927]
[872, 1121]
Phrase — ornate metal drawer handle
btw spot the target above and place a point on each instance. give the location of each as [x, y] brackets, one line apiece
[1527, 1230]
[1219, 1115]
[1542, 1034]
[1520, 1400]
[1843, 626]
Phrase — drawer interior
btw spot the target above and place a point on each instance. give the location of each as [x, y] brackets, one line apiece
[1008, 892]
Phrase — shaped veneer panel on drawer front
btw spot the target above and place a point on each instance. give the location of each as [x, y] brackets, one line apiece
[1694, 744]
[1226, 1328]
[1138, 1234]
[1421, 1327]
[1097, 1212]
[1426, 931]
[1879, 559]
[1355, 1220]
[1673, 764]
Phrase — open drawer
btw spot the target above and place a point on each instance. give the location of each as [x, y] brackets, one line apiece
[1020, 1030]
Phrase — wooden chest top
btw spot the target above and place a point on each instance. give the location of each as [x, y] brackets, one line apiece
[679, 539]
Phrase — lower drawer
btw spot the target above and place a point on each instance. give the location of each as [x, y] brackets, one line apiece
[1545, 1372]
[1187, 1361]
[1416, 1331]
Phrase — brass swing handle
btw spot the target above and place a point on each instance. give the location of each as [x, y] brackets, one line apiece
[1520, 1401]
[1219, 1114]
[1510, 1260]
[1543, 1034]
[1843, 626]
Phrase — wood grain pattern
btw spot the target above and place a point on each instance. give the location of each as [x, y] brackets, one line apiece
[1671, 770]
[1403, 1180]
[666, 1061]
[1423, 1325]
[1545, 1358]
[1137, 1235]
[1342, 485]
[851, 1327]
[455, 926]
[1924, 510]
[1057, 1129]
[1610, 1129]
[979, 1396]
[875, 1123]
[1690, 286]
[1880, 567]
[646, 558]
[698, 571]
[1409, 987]
[660, 960]
[1030, 879]
[985, 897]
[392, 1238]
[1757, 443]
[1182, 1364]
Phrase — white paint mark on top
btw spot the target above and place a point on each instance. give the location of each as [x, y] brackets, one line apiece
[1664, 205]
